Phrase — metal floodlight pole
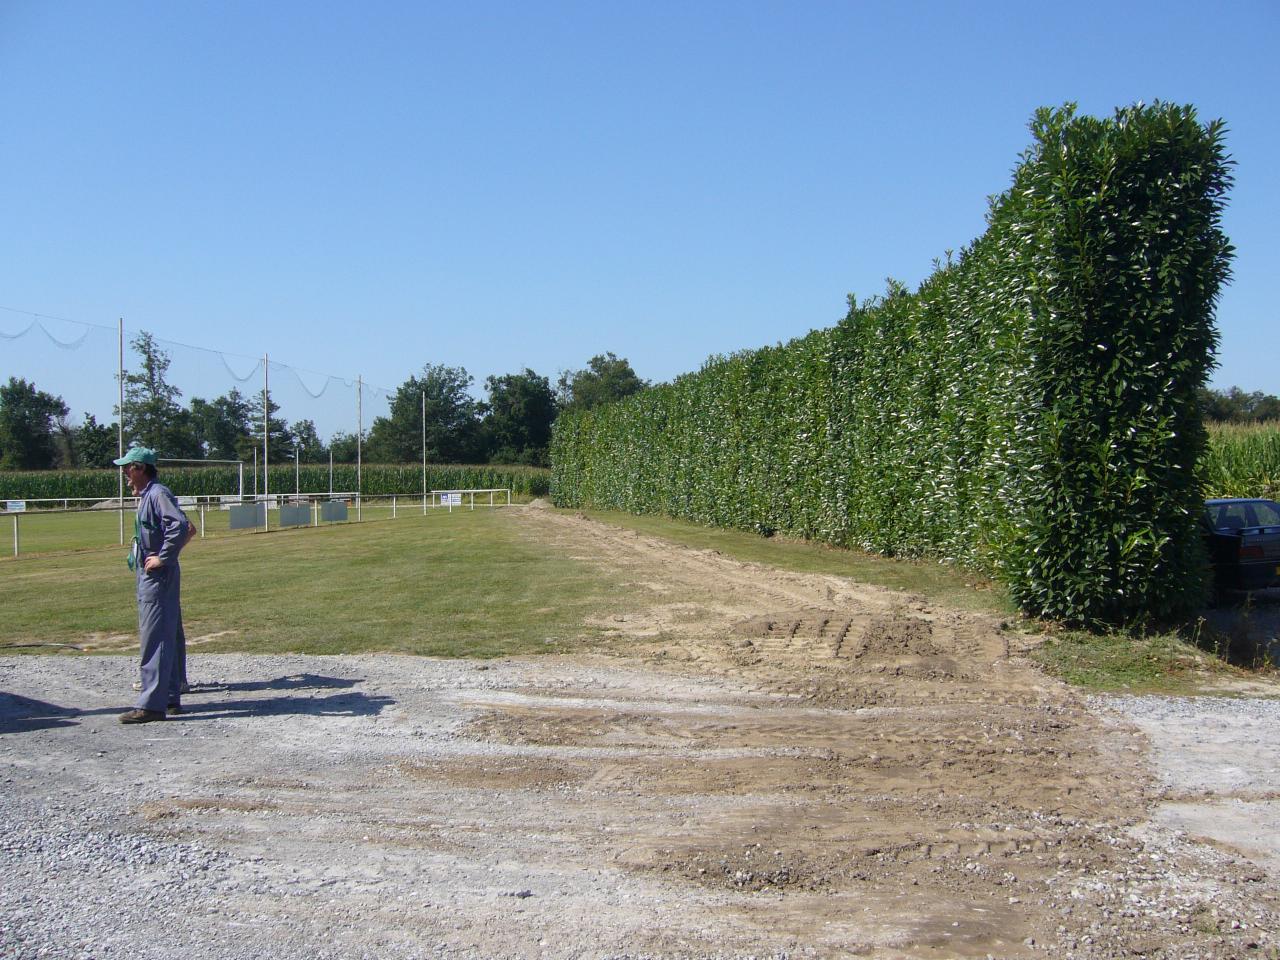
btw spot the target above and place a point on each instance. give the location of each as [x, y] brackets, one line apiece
[266, 431]
[119, 441]
[330, 468]
[424, 453]
[297, 470]
[266, 412]
[359, 441]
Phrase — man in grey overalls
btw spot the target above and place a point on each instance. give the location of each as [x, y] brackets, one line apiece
[162, 530]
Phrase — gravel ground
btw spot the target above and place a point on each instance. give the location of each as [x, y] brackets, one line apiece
[752, 764]
[202, 837]
[273, 820]
[1217, 766]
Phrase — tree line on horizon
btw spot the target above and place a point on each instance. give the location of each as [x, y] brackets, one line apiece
[512, 425]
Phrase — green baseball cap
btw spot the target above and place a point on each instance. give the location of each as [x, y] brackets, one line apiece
[137, 455]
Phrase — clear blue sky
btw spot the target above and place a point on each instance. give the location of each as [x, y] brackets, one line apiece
[365, 188]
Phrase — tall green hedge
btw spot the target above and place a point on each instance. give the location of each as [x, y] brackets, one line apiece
[378, 480]
[1030, 410]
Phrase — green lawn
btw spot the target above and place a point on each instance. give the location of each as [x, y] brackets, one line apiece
[460, 584]
[44, 531]
[56, 531]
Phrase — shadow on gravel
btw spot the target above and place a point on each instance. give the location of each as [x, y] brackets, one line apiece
[23, 715]
[20, 714]
[339, 705]
[297, 681]
[1244, 628]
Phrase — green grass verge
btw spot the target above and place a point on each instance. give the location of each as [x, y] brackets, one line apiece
[945, 583]
[460, 584]
[1120, 662]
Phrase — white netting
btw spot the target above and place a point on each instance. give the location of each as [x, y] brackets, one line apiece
[78, 361]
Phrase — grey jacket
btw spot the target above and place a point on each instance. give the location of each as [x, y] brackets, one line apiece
[162, 532]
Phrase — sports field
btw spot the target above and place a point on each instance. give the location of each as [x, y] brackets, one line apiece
[460, 583]
[56, 530]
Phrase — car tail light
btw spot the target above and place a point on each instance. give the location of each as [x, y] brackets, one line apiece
[1251, 553]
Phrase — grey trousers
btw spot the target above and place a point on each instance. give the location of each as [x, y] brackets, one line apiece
[159, 619]
[182, 653]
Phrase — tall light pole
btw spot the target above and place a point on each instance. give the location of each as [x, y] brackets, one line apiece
[266, 425]
[297, 471]
[424, 453]
[119, 435]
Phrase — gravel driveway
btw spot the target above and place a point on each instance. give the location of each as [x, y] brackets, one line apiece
[761, 765]
[365, 807]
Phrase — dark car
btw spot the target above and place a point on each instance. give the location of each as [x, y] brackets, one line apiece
[1243, 537]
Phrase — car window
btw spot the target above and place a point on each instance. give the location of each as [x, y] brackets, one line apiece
[1266, 514]
[1230, 516]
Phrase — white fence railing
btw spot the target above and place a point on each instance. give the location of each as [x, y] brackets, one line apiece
[262, 512]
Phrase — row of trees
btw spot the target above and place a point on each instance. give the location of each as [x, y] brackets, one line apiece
[512, 425]
[1237, 406]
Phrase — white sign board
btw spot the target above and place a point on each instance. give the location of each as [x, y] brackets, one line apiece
[16, 506]
[451, 499]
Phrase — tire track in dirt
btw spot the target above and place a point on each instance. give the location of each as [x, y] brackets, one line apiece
[971, 772]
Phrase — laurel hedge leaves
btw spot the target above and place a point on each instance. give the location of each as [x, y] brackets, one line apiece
[1030, 410]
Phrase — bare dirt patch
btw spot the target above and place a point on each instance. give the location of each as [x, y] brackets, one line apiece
[753, 763]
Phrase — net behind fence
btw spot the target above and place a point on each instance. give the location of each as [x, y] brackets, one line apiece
[50, 526]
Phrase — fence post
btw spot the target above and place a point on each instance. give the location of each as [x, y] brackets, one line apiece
[202, 506]
[393, 507]
[15, 534]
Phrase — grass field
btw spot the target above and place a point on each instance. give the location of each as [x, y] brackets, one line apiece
[52, 531]
[460, 584]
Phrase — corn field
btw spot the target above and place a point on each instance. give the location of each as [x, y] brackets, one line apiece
[377, 480]
[1243, 461]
